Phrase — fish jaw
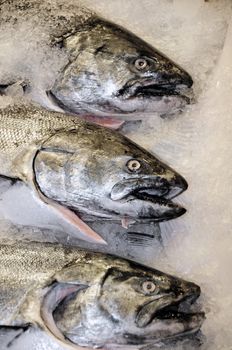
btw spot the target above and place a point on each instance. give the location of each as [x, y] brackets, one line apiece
[153, 209]
[171, 318]
[167, 317]
[167, 305]
[141, 199]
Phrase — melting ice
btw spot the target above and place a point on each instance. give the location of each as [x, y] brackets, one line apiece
[198, 246]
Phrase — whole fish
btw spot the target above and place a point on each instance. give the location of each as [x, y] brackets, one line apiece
[90, 299]
[74, 166]
[108, 71]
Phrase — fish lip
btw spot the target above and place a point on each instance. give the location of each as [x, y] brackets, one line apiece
[146, 88]
[173, 312]
[148, 187]
[173, 210]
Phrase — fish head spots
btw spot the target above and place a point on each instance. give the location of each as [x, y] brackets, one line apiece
[127, 304]
[110, 67]
[125, 290]
[143, 300]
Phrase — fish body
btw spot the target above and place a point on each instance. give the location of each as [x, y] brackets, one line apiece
[90, 299]
[75, 166]
[108, 71]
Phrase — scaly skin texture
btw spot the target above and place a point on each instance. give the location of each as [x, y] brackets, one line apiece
[26, 127]
[24, 269]
[108, 71]
[91, 298]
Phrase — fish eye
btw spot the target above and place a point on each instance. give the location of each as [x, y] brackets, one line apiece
[141, 63]
[148, 287]
[133, 165]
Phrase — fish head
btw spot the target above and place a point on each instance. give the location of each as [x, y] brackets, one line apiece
[129, 305]
[114, 72]
[97, 171]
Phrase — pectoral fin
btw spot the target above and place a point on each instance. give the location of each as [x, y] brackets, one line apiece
[106, 122]
[72, 218]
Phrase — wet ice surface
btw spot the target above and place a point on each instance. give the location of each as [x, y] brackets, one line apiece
[19, 209]
[197, 144]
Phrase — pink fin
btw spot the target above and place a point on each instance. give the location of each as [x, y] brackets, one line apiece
[72, 218]
[107, 122]
[75, 221]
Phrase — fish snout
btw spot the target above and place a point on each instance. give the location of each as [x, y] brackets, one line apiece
[175, 76]
[187, 80]
[186, 293]
[177, 185]
[193, 292]
[182, 79]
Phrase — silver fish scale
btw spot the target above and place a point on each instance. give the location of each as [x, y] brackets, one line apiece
[22, 126]
[26, 269]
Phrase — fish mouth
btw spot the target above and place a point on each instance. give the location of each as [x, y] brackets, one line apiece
[153, 186]
[151, 196]
[163, 98]
[149, 89]
[179, 313]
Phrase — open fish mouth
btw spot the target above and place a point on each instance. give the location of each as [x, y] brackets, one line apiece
[149, 186]
[151, 197]
[159, 90]
[181, 312]
[161, 209]
[148, 89]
